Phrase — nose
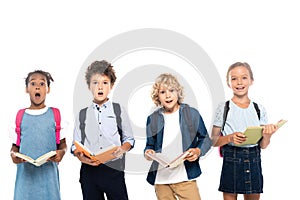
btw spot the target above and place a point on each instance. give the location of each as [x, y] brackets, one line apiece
[100, 85]
[239, 80]
[168, 93]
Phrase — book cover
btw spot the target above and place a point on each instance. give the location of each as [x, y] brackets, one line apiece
[164, 161]
[39, 161]
[254, 133]
[103, 156]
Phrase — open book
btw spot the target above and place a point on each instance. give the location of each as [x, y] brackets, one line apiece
[39, 161]
[254, 133]
[164, 161]
[103, 156]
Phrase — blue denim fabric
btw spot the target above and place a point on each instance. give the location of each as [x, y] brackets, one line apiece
[241, 171]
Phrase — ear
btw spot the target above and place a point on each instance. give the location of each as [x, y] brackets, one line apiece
[48, 90]
[26, 89]
[251, 82]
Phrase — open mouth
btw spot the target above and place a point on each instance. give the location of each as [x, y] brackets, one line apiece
[240, 88]
[37, 95]
[170, 101]
[100, 93]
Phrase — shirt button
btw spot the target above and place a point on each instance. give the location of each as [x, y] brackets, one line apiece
[99, 122]
[247, 171]
[100, 135]
[100, 147]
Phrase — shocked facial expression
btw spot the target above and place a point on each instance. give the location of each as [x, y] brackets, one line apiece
[239, 80]
[168, 98]
[100, 86]
[37, 89]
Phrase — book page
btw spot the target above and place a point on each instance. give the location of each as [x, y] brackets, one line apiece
[158, 157]
[165, 161]
[39, 161]
[24, 157]
[281, 122]
[43, 159]
[180, 159]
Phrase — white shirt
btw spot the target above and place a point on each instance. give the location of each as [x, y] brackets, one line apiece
[171, 148]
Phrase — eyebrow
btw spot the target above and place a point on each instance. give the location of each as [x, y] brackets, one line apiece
[34, 79]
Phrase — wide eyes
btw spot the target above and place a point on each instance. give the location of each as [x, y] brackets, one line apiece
[98, 83]
[164, 91]
[35, 84]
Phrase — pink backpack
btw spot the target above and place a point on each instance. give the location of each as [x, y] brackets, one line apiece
[57, 119]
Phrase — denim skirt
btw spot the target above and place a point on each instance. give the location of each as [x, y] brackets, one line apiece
[241, 170]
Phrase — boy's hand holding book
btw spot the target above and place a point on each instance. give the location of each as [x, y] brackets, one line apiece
[84, 159]
[119, 152]
[149, 151]
[193, 154]
[107, 154]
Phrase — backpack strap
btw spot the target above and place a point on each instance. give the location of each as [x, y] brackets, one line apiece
[57, 119]
[18, 121]
[186, 111]
[117, 111]
[82, 117]
[225, 113]
[154, 124]
[257, 109]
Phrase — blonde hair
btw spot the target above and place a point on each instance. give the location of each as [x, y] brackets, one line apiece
[169, 81]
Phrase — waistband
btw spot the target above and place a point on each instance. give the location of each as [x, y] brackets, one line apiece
[241, 149]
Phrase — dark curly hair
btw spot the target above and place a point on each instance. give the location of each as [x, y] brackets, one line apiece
[46, 74]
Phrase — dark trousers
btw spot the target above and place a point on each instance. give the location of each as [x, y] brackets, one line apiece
[103, 179]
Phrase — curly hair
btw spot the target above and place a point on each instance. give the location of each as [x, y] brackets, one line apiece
[100, 67]
[169, 81]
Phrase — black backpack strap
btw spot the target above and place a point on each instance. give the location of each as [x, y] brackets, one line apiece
[154, 123]
[225, 113]
[257, 109]
[82, 117]
[187, 116]
[117, 111]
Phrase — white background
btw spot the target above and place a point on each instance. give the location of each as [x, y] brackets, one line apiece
[58, 36]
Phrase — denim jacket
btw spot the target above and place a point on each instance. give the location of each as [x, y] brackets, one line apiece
[199, 138]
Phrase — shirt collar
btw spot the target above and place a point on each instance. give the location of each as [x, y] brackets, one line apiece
[103, 106]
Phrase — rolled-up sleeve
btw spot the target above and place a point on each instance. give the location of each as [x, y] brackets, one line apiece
[127, 133]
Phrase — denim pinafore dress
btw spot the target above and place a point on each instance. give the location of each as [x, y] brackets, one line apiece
[37, 138]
